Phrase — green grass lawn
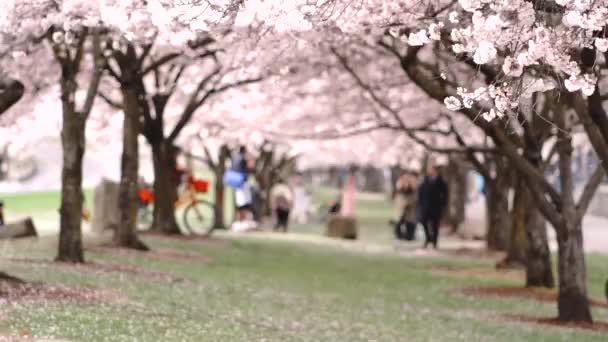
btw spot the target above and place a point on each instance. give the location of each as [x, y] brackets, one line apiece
[253, 290]
[258, 288]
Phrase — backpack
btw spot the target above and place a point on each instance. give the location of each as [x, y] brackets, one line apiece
[234, 179]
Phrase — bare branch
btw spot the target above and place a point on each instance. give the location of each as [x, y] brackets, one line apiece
[96, 78]
[160, 62]
[107, 99]
[589, 191]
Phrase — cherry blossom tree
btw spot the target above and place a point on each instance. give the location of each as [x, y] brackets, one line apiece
[70, 33]
[531, 58]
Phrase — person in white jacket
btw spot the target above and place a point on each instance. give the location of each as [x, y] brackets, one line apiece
[281, 199]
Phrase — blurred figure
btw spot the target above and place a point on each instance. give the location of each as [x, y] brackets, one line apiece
[349, 189]
[432, 199]
[281, 202]
[335, 207]
[243, 194]
[1, 213]
[302, 200]
[405, 200]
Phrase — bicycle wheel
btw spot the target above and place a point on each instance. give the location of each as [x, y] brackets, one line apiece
[199, 216]
[144, 218]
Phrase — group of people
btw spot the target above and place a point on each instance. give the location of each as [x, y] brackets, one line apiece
[422, 203]
[245, 192]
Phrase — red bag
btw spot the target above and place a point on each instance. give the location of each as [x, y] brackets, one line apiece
[145, 196]
[200, 186]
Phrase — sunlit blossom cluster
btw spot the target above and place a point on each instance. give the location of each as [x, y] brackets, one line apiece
[534, 50]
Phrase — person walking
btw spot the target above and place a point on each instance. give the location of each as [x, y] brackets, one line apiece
[405, 200]
[243, 195]
[281, 201]
[432, 199]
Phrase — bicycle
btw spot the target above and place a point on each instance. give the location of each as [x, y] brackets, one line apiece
[198, 214]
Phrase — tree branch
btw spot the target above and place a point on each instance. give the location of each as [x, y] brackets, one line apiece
[110, 101]
[96, 78]
[160, 62]
[589, 191]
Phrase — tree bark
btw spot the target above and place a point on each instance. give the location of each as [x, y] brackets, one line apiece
[220, 169]
[72, 197]
[396, 172]
[538, 256]
[125, 234]
[497, 210]
[572, 304]
[456, 176]
[165, 187]
[518, 242]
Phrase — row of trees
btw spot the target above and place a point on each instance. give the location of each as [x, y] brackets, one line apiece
[149, 60]
[506, 85]
[492, 81]
[525, 74]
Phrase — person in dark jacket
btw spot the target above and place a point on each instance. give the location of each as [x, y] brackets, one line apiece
[432, 199]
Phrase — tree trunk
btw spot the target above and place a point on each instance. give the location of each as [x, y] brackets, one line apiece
[125, 234]
[219, 197]
[373, 179]
[538, 265]
[165, 188]
[72, 197]
[333, 174]
[11, 91]
[220, 190]
[572, 304]
[456, 176]
[516, 252]
[497, 212]
[396, 172]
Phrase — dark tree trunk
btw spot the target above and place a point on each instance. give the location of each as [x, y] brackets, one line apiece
[70, 233]
[516, 252]
[538, 266]
[11, 91]
[266, 204]
[374, 180]
[538, 256]
[165, 187]
[333, 174]
[497, 212]
[456, 176]
[572, 304]
[396, 172]
[220, 169]
[125, 234]
[72, 197]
